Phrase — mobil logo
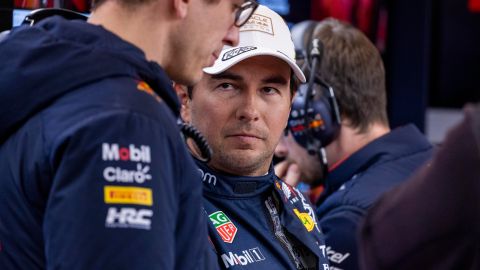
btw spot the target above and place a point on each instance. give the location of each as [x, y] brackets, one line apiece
[245, 257]
[113, 151]
[225, 227]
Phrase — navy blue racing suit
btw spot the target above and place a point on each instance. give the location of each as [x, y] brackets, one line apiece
[94, 172]
[356, 183]
[261, 223]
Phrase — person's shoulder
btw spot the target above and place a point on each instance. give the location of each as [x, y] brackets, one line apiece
[109, 104]
[360, 192]
[364, 188]
[116, 94]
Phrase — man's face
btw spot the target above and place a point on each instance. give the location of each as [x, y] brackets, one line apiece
[242, 113]
[201, 36]
[309, 166]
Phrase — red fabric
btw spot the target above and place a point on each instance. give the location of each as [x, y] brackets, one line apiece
[27, 4]
[81, 5]
[340, 9]
[33, 4]
[359, 13]
[365, 16]
[315, 192]
[474, 5]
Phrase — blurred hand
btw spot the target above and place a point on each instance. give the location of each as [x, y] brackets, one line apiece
[288, 172]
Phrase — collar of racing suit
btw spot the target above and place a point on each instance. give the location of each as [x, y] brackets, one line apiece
[228, 185]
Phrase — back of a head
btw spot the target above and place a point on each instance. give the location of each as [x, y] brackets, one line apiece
[127, 3]
[352, 65]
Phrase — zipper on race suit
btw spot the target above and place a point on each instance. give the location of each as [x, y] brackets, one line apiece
[273, 206]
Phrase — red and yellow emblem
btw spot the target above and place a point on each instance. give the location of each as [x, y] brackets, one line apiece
[225, 228]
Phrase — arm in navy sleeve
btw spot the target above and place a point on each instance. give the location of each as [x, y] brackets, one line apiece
[114, 201]
[340, 229]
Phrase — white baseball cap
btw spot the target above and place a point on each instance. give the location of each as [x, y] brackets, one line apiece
[265, 33]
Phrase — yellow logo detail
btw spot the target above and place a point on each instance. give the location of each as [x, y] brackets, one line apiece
[128, 195]
[306, 219]
[143, 86]
[316, 123]
[278, 185]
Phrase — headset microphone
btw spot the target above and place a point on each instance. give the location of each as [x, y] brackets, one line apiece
[315, 116]
[312, 144]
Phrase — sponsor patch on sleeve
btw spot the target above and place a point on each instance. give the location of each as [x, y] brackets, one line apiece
[128, 195]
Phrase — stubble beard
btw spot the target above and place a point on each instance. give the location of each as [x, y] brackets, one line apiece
[235, 162]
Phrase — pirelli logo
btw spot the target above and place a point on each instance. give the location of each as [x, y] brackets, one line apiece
[128, 195]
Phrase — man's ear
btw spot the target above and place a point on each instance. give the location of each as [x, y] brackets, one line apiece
[181, 7]
[182, 92]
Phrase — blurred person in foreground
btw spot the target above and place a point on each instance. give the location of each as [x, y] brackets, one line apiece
[431, 221]
[95, 173]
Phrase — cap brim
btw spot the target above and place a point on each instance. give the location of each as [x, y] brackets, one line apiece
[221, 66]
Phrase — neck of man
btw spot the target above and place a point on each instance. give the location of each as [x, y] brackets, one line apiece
[350, 140]
[239, 170]
[140, 26]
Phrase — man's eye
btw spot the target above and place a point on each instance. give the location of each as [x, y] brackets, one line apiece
[270, 90]
[225, 86]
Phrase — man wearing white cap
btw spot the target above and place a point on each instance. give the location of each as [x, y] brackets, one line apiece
[241, 106]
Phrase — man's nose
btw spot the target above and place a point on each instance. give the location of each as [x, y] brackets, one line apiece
[232, 36]
[248, 108]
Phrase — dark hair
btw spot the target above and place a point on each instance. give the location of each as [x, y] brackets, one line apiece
[352, 65]
[294, 84]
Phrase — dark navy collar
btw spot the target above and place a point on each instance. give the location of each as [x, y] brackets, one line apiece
[399, 142]
[234, 186]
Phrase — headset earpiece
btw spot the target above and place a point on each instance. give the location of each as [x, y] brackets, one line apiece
[315, 119]
[318, 125]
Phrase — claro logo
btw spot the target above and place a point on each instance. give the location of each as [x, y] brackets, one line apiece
[131, 153]
[252, 255]
[117, 174]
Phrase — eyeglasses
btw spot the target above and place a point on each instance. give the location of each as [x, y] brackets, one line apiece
[244, 12]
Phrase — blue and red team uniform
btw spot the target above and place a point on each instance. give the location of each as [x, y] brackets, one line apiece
[94, 172]
[261, 223]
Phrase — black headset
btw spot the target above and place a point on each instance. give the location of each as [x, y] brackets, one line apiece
[315, 116]
[42, 13]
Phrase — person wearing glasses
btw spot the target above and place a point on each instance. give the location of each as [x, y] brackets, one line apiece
[365, 158]
[241, 106]
[95, 172]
